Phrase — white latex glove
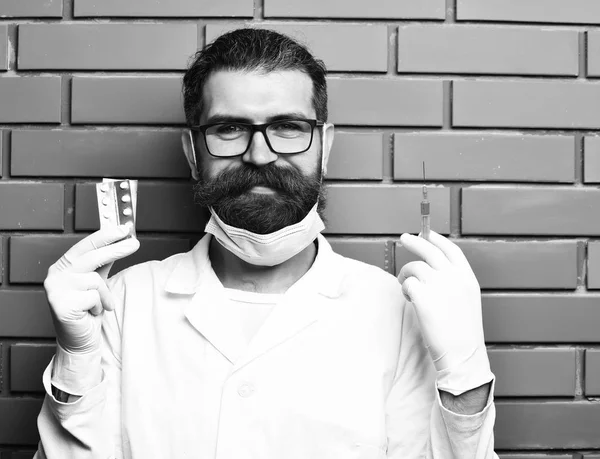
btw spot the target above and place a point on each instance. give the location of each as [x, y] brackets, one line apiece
[447, 300]
[78, 294]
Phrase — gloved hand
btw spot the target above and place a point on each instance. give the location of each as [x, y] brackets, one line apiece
[78, 294]
[447, 301]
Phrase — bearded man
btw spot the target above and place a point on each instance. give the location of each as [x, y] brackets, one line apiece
[261, 342]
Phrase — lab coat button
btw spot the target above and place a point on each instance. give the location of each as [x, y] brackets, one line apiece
[245, 390]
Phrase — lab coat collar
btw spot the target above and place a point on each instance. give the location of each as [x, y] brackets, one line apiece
[194, 270]
[299, 308]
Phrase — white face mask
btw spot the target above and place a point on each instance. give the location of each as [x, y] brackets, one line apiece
[269, 249]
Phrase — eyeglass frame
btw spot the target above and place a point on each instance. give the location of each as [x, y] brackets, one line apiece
[262, 128]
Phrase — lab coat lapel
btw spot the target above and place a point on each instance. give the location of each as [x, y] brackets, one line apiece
[302, 305]
[207, 312]
[290, 317]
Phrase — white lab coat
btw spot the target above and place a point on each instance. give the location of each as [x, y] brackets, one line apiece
[338, 370]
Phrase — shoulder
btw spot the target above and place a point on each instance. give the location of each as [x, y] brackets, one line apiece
[148, 273]
[363, 277]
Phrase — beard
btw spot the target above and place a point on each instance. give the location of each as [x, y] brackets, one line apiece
[229, 195]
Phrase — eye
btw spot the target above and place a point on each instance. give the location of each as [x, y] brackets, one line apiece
[287, 126]
[229, 128]
[290, 129]
[227, 131]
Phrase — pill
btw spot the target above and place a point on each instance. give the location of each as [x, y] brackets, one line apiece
[126, 198]
[127, 211]
[124, 185]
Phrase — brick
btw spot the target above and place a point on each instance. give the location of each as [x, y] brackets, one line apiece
[3, 47]
[592, 372]
[368, 251]
[343, 47]
[382, 9]
[484, 157]
[27, 364]
[383, 209]
[539, 104]
[127, 100]
[487, 50]
[573, 11]
[30, 99]
[160, 207]
[591, 172]
[356, 156]
[164, 8]
[106, 46]
[531, 211]
[25, 314]
[544, 425]
[31, 206]
[515, 265]
[540, 318]
[593, 274]
[31, 8]
[136, 153]
[533, 372]
[18, 418]
[31, 256]
[390, 102]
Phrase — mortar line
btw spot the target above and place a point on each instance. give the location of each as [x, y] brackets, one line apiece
[578, 176]
[5, 374]
[388, 157]
[68, 10]
[583, 53]
[5, 261]
[65, 100]
[450, 11]
[580, 374]
[447, 105]
[259, 10]
[6, 138]
[392, 51]
[455, 211]
[69, 208]
[581, 265]
[13, 39]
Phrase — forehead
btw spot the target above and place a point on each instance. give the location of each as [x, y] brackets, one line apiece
[257, 95]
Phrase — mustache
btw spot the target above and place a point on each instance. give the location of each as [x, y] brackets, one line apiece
[240, 180]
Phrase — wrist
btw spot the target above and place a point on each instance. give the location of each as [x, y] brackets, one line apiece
[470, 402]
[75, 374]
[463, 376]
[62, 396]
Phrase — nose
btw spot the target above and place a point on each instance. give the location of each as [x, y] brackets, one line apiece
[259, 152]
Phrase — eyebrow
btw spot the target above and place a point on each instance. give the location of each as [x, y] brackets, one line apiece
[223, 118]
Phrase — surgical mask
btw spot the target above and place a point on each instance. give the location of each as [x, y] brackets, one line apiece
[269, 249]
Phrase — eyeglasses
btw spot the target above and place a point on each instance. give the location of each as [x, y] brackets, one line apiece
[227, 139]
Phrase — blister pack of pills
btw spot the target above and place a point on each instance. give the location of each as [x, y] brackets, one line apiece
[117, 203]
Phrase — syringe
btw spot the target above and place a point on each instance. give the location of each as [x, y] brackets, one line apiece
[425, 220]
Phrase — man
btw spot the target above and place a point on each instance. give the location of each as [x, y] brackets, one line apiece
[262, 342]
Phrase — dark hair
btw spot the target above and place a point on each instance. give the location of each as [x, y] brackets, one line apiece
[251, 49]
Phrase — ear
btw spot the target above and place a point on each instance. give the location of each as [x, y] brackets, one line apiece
[189, 149]
[327, 139]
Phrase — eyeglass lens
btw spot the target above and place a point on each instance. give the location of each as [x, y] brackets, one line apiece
[231, 139]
